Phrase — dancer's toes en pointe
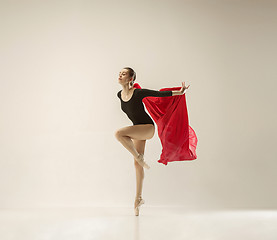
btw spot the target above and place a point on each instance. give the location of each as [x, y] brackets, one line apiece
[138, 202]
[140, 160]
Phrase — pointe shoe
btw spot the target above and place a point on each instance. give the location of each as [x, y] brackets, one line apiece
[140, 160]
[136, 209]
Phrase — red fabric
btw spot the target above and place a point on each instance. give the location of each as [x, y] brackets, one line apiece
[170, 114]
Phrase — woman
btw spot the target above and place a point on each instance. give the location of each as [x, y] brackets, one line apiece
[133, 138]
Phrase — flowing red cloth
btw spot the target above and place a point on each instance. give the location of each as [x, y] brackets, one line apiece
[170, 114]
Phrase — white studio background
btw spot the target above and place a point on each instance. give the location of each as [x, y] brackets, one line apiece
[59, 110]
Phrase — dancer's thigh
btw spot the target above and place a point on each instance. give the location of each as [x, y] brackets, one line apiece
[137, 132]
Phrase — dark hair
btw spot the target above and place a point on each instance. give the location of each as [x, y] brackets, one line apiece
[131, 72]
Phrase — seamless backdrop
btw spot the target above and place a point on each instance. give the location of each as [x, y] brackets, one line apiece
[59, 110]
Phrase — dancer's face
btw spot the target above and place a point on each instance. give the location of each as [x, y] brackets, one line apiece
[124, 77]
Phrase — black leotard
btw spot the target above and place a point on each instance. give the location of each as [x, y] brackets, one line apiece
[134, 107]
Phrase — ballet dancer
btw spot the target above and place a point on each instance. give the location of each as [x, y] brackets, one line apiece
[133, 138]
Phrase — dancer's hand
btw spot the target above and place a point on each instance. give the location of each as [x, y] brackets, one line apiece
[183, 88]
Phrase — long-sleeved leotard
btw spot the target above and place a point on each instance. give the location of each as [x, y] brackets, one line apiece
[134, 107]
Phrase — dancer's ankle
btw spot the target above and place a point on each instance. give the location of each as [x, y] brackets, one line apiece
[139, 156]
[138, 196]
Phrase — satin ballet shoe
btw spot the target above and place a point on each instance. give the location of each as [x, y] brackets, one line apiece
[141, 162]
[136, 209]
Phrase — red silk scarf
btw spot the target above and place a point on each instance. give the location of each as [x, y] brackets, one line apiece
[170, 114]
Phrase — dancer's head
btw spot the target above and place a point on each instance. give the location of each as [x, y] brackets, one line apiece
[127, 76]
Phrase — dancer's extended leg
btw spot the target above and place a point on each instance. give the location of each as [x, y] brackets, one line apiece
[140, 147]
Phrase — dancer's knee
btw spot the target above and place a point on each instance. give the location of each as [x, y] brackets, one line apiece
[137, 165]
[118, 134]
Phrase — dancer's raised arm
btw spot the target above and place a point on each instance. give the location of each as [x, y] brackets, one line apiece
[181, 91]
[144, 92]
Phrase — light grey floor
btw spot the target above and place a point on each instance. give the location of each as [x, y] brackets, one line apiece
[120, 223]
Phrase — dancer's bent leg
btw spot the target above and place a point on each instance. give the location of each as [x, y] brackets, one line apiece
[137, 132]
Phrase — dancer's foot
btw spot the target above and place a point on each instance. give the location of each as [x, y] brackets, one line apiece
[138, 202]
[140, 160]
